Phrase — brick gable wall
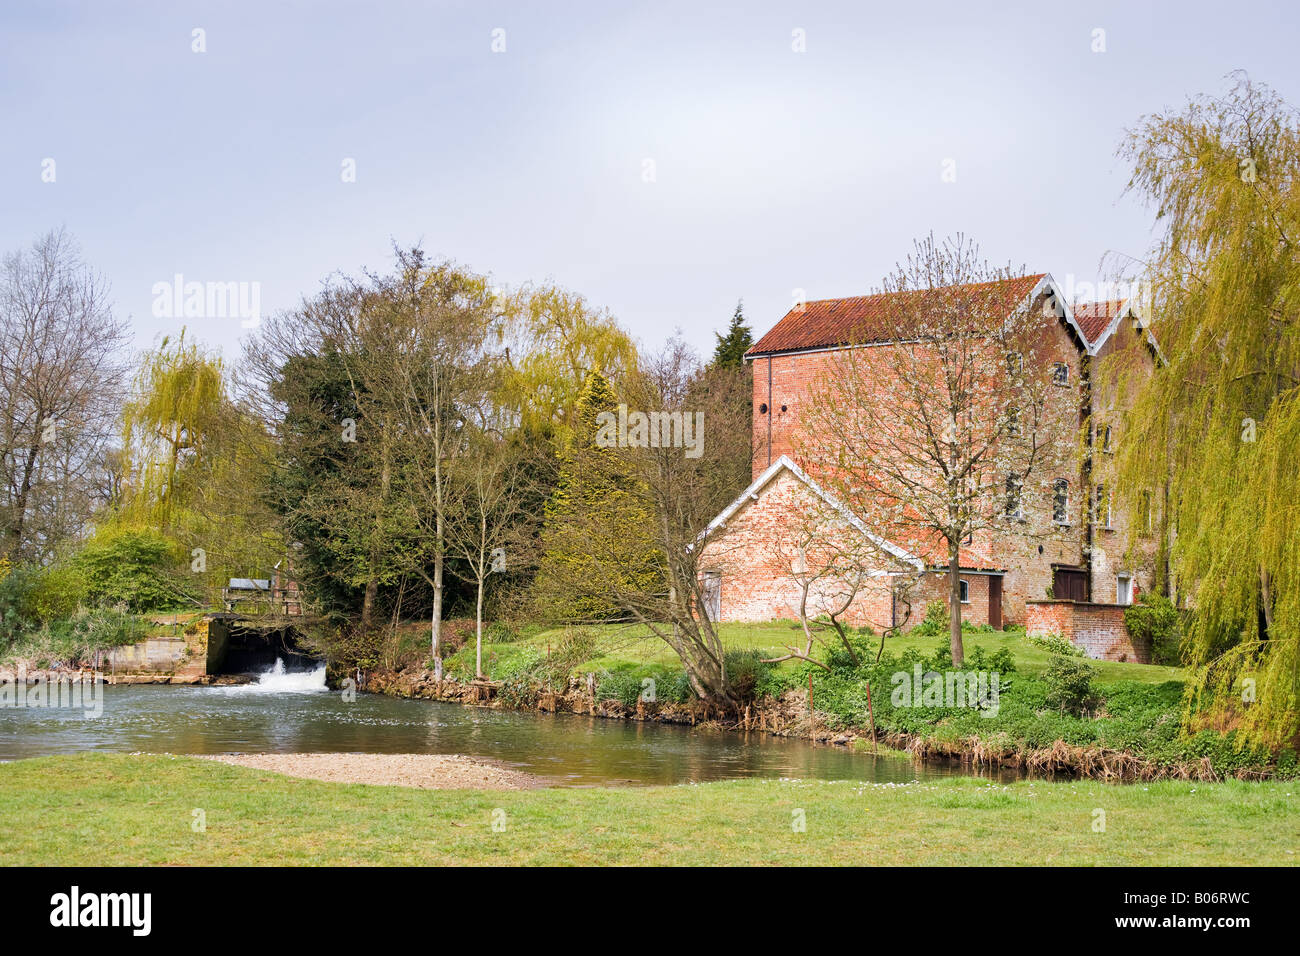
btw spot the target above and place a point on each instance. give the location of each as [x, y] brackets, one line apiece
[783, 385]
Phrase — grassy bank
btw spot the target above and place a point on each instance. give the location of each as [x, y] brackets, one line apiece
[120, 809]
[1126, 722]
[618, 648]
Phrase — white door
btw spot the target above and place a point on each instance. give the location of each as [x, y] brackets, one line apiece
[713, 595]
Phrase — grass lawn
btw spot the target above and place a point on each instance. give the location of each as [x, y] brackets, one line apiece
[125, 809]
[621, 647]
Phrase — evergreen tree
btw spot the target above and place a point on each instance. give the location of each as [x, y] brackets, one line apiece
[596, 521]
[731, 348]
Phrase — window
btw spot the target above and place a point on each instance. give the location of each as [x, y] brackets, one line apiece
[1103, 507]
[1105, 439]
[1015, 364]
[1013, 422]
[1144, 512]
[1060, 374]
[1013, 497]
[1061, 501]
[965, 592]
[1123, 589]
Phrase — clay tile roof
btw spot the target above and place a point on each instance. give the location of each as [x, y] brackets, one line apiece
[866, 318]
[1093, 317]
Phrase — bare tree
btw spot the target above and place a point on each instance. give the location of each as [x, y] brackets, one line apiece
[644, 498]
[842, 572]
[61, 376]
[931, 424]
[492, 530]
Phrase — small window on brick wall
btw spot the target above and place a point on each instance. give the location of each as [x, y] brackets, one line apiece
[1061, 501]
[965, 592]
[1060, 374]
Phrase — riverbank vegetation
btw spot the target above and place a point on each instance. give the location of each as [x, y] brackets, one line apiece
[1051, 711]
[143, 810]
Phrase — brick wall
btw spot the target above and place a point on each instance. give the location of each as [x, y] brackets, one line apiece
[757, 554]
[1098, 629]
[1029, 553]
[934, 587]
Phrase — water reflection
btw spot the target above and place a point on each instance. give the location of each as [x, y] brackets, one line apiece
[572, 750]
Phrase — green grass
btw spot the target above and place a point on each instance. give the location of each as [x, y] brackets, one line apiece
[124, 809]
[635, 648]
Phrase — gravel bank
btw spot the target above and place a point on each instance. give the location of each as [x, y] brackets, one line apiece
[428, 771]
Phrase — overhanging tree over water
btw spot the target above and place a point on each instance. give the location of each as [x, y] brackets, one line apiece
[1219, 426]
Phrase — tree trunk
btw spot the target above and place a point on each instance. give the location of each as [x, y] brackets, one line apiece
[478, 629]
[954, 601]
[436, 624]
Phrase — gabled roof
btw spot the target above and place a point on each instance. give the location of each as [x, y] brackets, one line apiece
[1099, 320]
[828, 323]
[784, 463]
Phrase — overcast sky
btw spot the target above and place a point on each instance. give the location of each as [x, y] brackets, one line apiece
[663, 159]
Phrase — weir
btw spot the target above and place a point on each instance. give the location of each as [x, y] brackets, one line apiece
[207, 649]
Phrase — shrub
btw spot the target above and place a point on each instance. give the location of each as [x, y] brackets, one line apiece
[745, 671]
[16, 586]
[935, 621]
[1069, 685]
[623, 686]
[58, 591]
[1154, 619]
[499, 632]
[1056, 644]
[130, 567]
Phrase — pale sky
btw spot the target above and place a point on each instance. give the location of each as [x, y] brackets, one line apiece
[773, 170]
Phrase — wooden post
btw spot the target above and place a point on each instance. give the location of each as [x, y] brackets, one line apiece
[871, 717]
[810, 707]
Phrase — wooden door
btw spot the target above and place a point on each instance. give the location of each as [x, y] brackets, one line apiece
[995, 601]
[1069, 584]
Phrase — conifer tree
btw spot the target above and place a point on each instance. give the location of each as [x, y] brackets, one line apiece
[731, 347]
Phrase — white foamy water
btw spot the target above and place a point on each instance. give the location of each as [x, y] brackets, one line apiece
[279, 681]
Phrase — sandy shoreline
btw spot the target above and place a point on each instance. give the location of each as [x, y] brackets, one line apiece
[426, 771]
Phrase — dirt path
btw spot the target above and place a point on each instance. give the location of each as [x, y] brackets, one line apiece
[428, 771]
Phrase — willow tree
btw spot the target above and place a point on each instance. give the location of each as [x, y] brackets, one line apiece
[1214, 434]
[555, 340]
[193, 464]
[178, 402]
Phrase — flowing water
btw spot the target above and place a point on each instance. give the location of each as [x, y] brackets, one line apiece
[293, 712]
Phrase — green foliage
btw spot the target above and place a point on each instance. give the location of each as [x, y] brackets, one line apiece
[16, 617]
[1055, 644]
[935, 621]
[746, 673]
[1212, 435]
[58, 590]
[134, 568]
[595, 524]
[76, 638]
[500, 632]
[731, 347]
[1069, 685]
[1154, 619]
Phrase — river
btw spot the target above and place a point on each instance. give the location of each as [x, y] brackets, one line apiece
[295, 713]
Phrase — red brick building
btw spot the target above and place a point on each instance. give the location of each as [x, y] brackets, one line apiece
[785, 528]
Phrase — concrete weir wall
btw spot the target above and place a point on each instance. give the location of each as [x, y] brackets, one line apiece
[190, 657]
